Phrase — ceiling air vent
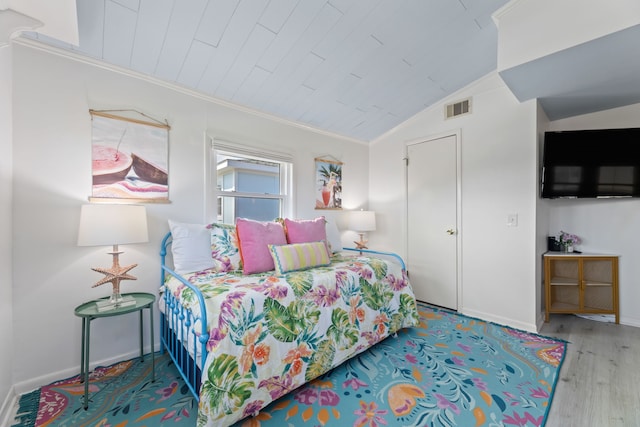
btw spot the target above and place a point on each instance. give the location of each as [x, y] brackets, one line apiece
[457, 108]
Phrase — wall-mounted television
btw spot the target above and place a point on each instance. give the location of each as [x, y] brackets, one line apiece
[591, 163]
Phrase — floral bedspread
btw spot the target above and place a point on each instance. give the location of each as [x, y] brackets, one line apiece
[270, 334]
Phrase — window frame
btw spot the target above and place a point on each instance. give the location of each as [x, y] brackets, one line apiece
[213, 193]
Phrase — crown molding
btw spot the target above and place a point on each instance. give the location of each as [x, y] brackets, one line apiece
[12, 23]
[36, 44]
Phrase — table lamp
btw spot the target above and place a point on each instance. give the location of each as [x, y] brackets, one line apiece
[362, 221]
[103, 224]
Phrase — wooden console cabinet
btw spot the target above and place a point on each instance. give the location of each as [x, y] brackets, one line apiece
[581, 284]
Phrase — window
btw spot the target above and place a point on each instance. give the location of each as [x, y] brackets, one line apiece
[250, 183]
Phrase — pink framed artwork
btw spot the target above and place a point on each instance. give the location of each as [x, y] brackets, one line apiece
[328, 183]
[129, 158]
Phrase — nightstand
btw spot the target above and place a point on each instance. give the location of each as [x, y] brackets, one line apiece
[90, 311]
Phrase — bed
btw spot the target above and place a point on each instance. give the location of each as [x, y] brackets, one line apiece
[243, 339]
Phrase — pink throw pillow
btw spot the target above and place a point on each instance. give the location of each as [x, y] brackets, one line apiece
[305, 230]
[254, 238]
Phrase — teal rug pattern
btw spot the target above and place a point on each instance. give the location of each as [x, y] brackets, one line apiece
[120, 395]
[451, 370]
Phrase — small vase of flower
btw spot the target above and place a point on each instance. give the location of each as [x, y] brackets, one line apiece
[568, 241]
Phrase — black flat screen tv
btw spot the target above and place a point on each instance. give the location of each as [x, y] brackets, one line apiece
[591, 163]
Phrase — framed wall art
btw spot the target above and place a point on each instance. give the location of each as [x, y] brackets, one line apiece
[328, 183]
[129, 158]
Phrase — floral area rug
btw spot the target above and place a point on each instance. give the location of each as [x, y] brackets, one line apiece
[120, 395]
[451, 370]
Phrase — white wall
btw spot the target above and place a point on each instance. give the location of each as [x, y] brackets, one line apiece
[56, 19]
[499, 177]
[531, 29]
[605, 225]
[542, 217]
[52, 179]
[6, 311]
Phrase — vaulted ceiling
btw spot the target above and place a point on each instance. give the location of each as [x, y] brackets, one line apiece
[356, 68]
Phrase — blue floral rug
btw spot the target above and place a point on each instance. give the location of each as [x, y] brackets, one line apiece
[451, 370]
[120, 394]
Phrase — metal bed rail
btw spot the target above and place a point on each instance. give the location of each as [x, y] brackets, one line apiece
[177, 322]
[369, 251]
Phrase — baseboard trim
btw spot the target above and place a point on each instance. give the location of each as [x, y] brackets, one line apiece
[34, 383]
[7, 410]
[629, 321]
[530, 327]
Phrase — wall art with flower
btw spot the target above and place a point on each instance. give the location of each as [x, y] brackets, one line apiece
[328, 175]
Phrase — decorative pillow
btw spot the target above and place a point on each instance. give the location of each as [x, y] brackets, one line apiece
[224, 247]
[333, 237]
[305, 230]
[254, 238]
[299, 256]
[190, 246]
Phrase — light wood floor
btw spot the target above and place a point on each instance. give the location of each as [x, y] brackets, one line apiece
[599, 383]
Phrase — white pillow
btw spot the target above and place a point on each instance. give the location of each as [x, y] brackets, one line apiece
[191, 247]
[333, 237]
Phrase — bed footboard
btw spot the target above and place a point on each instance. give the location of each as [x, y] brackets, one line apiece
[182, 334]
[394, 255]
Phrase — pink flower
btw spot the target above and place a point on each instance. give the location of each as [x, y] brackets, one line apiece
[216, 335]
[253, 408]
[517, 420]
[324, 297]
[481, 385]
[307, 396]
[396, 283]
[167, 392]
[444, 403]
[354, 383]
[369, 415]
[457, 361]
[539, 392]
[464, 347]
[411, 358]
[328, 398]
[277, 291]
[569, 238]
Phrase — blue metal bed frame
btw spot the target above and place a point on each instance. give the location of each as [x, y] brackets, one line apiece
[176, 322]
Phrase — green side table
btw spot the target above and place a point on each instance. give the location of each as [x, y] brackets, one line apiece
[89, 311]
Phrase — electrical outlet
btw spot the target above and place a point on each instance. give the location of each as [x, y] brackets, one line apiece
[512, 220]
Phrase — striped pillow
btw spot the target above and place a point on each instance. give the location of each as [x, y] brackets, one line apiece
[299, 256]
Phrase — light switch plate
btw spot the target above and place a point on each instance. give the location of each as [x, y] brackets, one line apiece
[512, 220]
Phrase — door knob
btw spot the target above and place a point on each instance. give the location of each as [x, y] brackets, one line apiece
[451, 232]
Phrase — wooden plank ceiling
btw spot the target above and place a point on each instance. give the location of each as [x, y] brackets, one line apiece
[356, 68]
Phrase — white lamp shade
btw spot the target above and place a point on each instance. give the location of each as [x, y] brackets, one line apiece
[102, 225]
[362, 221]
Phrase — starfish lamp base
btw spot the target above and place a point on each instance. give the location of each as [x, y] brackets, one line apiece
[115, 275]
[106, 304]
[362, 244]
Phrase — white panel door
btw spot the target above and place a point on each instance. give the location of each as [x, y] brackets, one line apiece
[432, 210]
